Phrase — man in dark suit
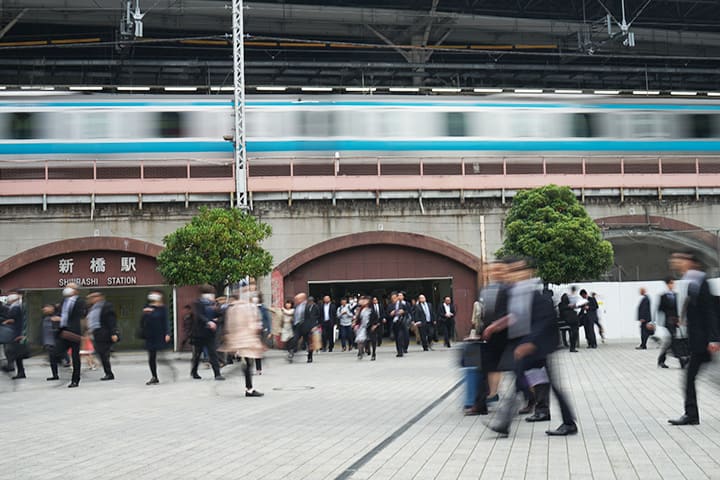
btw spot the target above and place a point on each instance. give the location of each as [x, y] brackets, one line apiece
[102, 322]
[700, 312]
[328, 314]
[669, 308]
[13, 351]
[446, 319]
[401, 315]
[72, 310]
[305, 318]
[424, 318]
[644, 318]
[205, 316]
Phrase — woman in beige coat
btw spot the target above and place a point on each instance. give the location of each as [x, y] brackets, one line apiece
[242, 337]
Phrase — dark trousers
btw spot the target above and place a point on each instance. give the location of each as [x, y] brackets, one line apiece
[402, 337]
[50, 349]
[199, 345]
[372, 341]
[13, 354]
[328, 337]
[258, 365]
[152, 362]
[426, 334]
[448, 330]
[672, 329]
[574, 336]
[644, 334]
[346, 335]
[61, 347]
[380, 333]
[304, 336]
[247, 371]
[697, 359]
[589, 326]
[102, 349]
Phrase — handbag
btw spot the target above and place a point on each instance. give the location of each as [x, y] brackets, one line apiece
[70, 336]
[316, 338]
[7, 334]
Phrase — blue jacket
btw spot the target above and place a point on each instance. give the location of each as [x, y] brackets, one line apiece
[16, 315]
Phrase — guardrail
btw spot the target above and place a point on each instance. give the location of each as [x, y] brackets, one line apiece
[374, 174]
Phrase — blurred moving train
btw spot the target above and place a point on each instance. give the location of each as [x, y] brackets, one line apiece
[157, 126]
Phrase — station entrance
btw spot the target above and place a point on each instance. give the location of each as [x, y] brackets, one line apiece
[434, 289]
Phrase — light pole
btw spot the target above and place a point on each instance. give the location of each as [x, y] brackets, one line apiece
[239, 152]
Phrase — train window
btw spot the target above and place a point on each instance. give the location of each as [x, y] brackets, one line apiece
[23, 125]
[171, 125]
[585, 125]
[455, 124]
[317, 123]
[700, 125]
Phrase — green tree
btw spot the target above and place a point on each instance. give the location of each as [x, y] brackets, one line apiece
[549, 225]
[219, 246]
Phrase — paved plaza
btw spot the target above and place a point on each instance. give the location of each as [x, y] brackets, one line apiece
[343, 418]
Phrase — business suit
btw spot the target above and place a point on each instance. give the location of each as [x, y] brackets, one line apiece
[668, 306]
[589, 319]
[13, 350]
[447, 322]
[328, 325]
[203, 337]
[644, 318]
[424, 315]
[102, 337]
[400, 326]
[76, 310]
[381, 314]
[702, 325]
[308, 318]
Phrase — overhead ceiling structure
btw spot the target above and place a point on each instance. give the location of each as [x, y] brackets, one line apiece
[582, 44]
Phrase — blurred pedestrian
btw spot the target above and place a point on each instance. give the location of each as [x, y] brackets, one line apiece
[345, 319]
[205, 314]
[72, 310]
[49, 332]
[156, 329]
[243, 331]
[102, 322]
[15, 351]
[645, 318]
[286, 332]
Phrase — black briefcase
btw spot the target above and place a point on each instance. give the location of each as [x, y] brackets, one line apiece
[471, 354]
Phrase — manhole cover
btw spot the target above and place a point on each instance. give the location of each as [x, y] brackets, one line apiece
[294, 389]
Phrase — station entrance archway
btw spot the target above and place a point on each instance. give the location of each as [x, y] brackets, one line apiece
[377, 262]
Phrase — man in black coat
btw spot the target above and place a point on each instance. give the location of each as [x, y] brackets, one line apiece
[424, 318]
[446, 319]
[72, 310]
[102, 322]
[700, 312]
[13, 351]
[305, 318]
[644, 318]
[328, 314]
[532, 351]
[401, 316]
[669, 308]
[205, 315]
[589, 318]
[381, 314]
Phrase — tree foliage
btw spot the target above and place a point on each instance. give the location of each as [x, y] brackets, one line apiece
[219, 246]
[549, 225]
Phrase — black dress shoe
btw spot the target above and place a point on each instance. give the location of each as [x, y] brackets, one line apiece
[152, 381]
[501, 429]
[254, 393]
[19, 377]
[108, 377]
[196, 376]
[573, 350]
[538, 417]
[220, 378]
[527, 409]
[372, 358]
[399, 355]
[472, 411]
[309, 360]
[50, 379]
[640, 348]
[684, 420]
[662, 365]
[73, 385]
[564, 429]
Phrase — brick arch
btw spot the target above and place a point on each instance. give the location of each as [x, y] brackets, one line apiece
[411, 240]
[81, 244]
[694, 232]
[353, 240]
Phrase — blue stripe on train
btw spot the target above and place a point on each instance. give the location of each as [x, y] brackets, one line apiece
[286, 146]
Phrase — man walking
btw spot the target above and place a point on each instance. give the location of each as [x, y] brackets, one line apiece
[446, 318]
[702, 323]
[644, 318]
[328, 310]
[589, 318]
[668, 307]
[425, 320]
[400, 314]
[72, 310]
[205, 316]
[102, 322]
[13, 350]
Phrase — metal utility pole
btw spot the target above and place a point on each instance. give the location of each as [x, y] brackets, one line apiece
[239, 153]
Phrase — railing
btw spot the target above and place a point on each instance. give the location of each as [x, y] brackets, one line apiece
[373, 174]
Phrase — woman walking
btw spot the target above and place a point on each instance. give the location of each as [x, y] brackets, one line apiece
[287, 334]
[242, 336]
[363, 320]
[156, 331]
